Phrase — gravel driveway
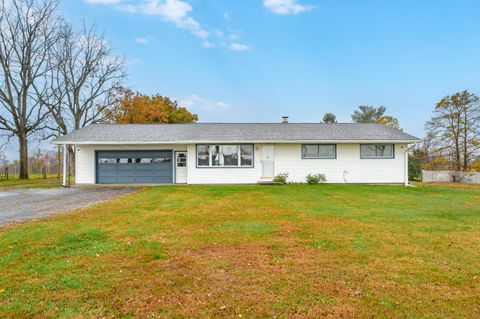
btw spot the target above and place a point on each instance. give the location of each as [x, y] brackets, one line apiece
[25, 204]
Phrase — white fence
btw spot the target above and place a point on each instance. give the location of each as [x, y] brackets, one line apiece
[450, 176]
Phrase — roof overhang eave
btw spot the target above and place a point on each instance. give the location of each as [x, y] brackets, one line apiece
[409, 141]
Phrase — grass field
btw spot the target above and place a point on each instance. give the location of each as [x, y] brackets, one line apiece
[34, 181]
[293, 251]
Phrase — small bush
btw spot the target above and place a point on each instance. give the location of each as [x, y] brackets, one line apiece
[281, 178]
[316, 179]
[415, 166]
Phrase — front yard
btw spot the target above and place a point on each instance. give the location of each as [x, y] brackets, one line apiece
[292, 251]
[34, 181]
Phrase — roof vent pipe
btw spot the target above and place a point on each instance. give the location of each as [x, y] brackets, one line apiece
[285, 119]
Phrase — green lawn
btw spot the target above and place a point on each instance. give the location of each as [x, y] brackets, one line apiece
[293, 251]
[34, 181]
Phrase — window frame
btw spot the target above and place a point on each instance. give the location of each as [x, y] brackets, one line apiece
[239, 153]
[111, 161]
[178, 159]
[376, 151]
[319, 157]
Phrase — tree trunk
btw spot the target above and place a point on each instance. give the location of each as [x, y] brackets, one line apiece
[22, 139]
[465, 143]
[458, 160]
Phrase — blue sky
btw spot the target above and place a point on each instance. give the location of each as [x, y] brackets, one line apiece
[256, 60]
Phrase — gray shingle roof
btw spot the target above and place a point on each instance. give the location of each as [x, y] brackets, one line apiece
[232, 132]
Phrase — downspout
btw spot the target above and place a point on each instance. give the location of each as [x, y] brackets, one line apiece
[406, 166]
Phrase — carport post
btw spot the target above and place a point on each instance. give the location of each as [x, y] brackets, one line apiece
[65, 154]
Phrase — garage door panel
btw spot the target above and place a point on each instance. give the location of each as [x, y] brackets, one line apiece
[108, 174]
[146, 175]
[108, 168]
[147, 180]
[109, 180]
[125, 180]
[147, 167]
[130, 167]
[126, 171]
[161, 174]
[107, 171]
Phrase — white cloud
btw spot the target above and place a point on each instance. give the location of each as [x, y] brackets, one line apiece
[233, 36]
[196, 103]
[284, 7]
[238, 47]
[207, 44]
[218, 33]
[143, 40]
[178, 12]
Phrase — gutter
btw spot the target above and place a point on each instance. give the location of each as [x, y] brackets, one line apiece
[56, 142]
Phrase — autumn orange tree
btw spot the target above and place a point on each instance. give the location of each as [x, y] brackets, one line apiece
[136, 108]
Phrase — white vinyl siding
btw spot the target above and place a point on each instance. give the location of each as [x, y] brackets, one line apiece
[347, 167]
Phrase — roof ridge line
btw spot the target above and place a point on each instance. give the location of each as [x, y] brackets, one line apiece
[237, 123]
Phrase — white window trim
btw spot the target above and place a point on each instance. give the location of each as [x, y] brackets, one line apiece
[376, 156]
[239, 154]
[319, 157]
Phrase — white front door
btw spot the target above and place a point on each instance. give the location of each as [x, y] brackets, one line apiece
[268, 163]
[181, 167]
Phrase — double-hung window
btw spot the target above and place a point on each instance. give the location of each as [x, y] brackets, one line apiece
[368, 151]
[321, 151]
[228, 155]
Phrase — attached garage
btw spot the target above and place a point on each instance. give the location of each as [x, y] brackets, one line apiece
[134, 167]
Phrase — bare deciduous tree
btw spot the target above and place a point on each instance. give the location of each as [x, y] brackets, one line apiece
[3, 159]
[455, 129]
[28, 31]
[85, 79]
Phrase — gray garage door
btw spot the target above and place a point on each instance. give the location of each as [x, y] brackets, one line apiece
[134, 167]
